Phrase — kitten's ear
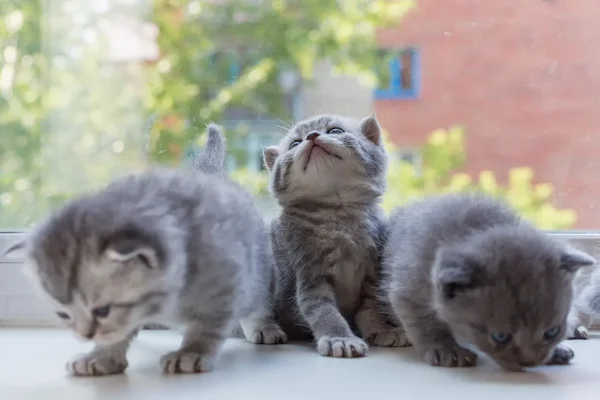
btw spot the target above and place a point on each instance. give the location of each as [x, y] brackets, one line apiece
[572, 259]
[16, 251]
[371, 130]
[456, 272]
[128, 249]
[270, 154]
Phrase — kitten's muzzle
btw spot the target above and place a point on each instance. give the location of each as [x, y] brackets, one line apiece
[313, 135]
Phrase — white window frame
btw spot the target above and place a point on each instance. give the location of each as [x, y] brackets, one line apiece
[20, 305]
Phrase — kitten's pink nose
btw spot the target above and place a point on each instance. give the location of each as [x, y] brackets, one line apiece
[313, 135]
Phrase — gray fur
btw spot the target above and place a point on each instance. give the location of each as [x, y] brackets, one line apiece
[212, 158]
[329, 236]
[180, 248]
[461, 267]
[586, 303]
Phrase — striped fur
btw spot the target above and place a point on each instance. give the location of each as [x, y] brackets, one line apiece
[328, 174]
[181, 248]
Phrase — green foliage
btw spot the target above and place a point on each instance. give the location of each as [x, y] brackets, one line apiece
[192, 85]
[443, 154]
[71, 118]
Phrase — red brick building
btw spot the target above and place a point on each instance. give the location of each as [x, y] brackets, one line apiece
[523, 78]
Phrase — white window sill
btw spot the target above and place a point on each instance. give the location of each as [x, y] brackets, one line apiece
[33, 361]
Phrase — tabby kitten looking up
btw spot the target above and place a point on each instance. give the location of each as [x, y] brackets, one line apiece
[328, 174]
[181, 248]
[465, 270]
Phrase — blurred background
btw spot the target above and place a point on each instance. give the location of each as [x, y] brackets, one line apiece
[495, 96]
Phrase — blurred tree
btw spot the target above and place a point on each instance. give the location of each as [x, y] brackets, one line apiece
[219, 55]
[62, 127]
[71, 117]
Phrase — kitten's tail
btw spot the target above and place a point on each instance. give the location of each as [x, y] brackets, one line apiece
[212, 158]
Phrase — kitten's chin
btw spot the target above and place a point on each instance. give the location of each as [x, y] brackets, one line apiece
[508, 366]
[316, 153]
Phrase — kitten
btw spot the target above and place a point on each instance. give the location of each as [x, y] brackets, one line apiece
[586, 303]
[328, 174]
[176, 247]
[465, 270]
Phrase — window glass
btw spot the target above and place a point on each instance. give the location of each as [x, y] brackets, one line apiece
[473, 95]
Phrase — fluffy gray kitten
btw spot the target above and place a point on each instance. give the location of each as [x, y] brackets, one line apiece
[181, 248]
[328, 174]
[586, 303]
[465, 271]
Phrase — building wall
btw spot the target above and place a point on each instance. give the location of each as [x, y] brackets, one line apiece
[523, 77]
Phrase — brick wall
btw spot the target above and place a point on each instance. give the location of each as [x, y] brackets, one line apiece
[523, 77]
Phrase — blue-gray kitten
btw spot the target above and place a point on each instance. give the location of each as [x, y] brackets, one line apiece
[328, 174]
[586, 303]
[182, 248]
[465, 270]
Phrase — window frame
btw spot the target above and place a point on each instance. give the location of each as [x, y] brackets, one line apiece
[22, 306]
[395, 90]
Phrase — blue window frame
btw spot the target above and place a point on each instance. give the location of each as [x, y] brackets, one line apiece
[402, 77]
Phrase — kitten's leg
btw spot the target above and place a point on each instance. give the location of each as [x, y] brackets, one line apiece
[199, 349]
[260, 327]
[315, 297]
[578, 325]
[371, 321]
[432, 338]
[561, 355]
[102, 360]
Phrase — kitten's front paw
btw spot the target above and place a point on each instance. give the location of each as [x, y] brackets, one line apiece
[393, 337]
[341, 347]
[185, 362]
[268, 334]
[561, 355]
[450, 356]
[578, 333]
[94, 364]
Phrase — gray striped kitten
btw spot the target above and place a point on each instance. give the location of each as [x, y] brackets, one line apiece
[464, 271]
[328, 174]
[586, 304]
[181, 248]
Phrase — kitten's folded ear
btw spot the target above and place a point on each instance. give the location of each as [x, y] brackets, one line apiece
[126, 249]
[371, 130]
[270, 154]
[16, 251]
[456, 272]
[572, 259]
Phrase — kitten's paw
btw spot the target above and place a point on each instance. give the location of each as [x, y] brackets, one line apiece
[339, 347]
[578, 333]
[561, 355]
[185, 362]
[450, 356]
[268, 334]
[94, 364]
[393, 337]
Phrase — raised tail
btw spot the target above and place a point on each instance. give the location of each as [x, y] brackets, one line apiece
[212, 158]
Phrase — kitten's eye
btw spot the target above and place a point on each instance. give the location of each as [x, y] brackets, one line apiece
[552, 333]
[101, 312]
[63, 315]
[295, 143]
[335, 130]
[501, 337]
